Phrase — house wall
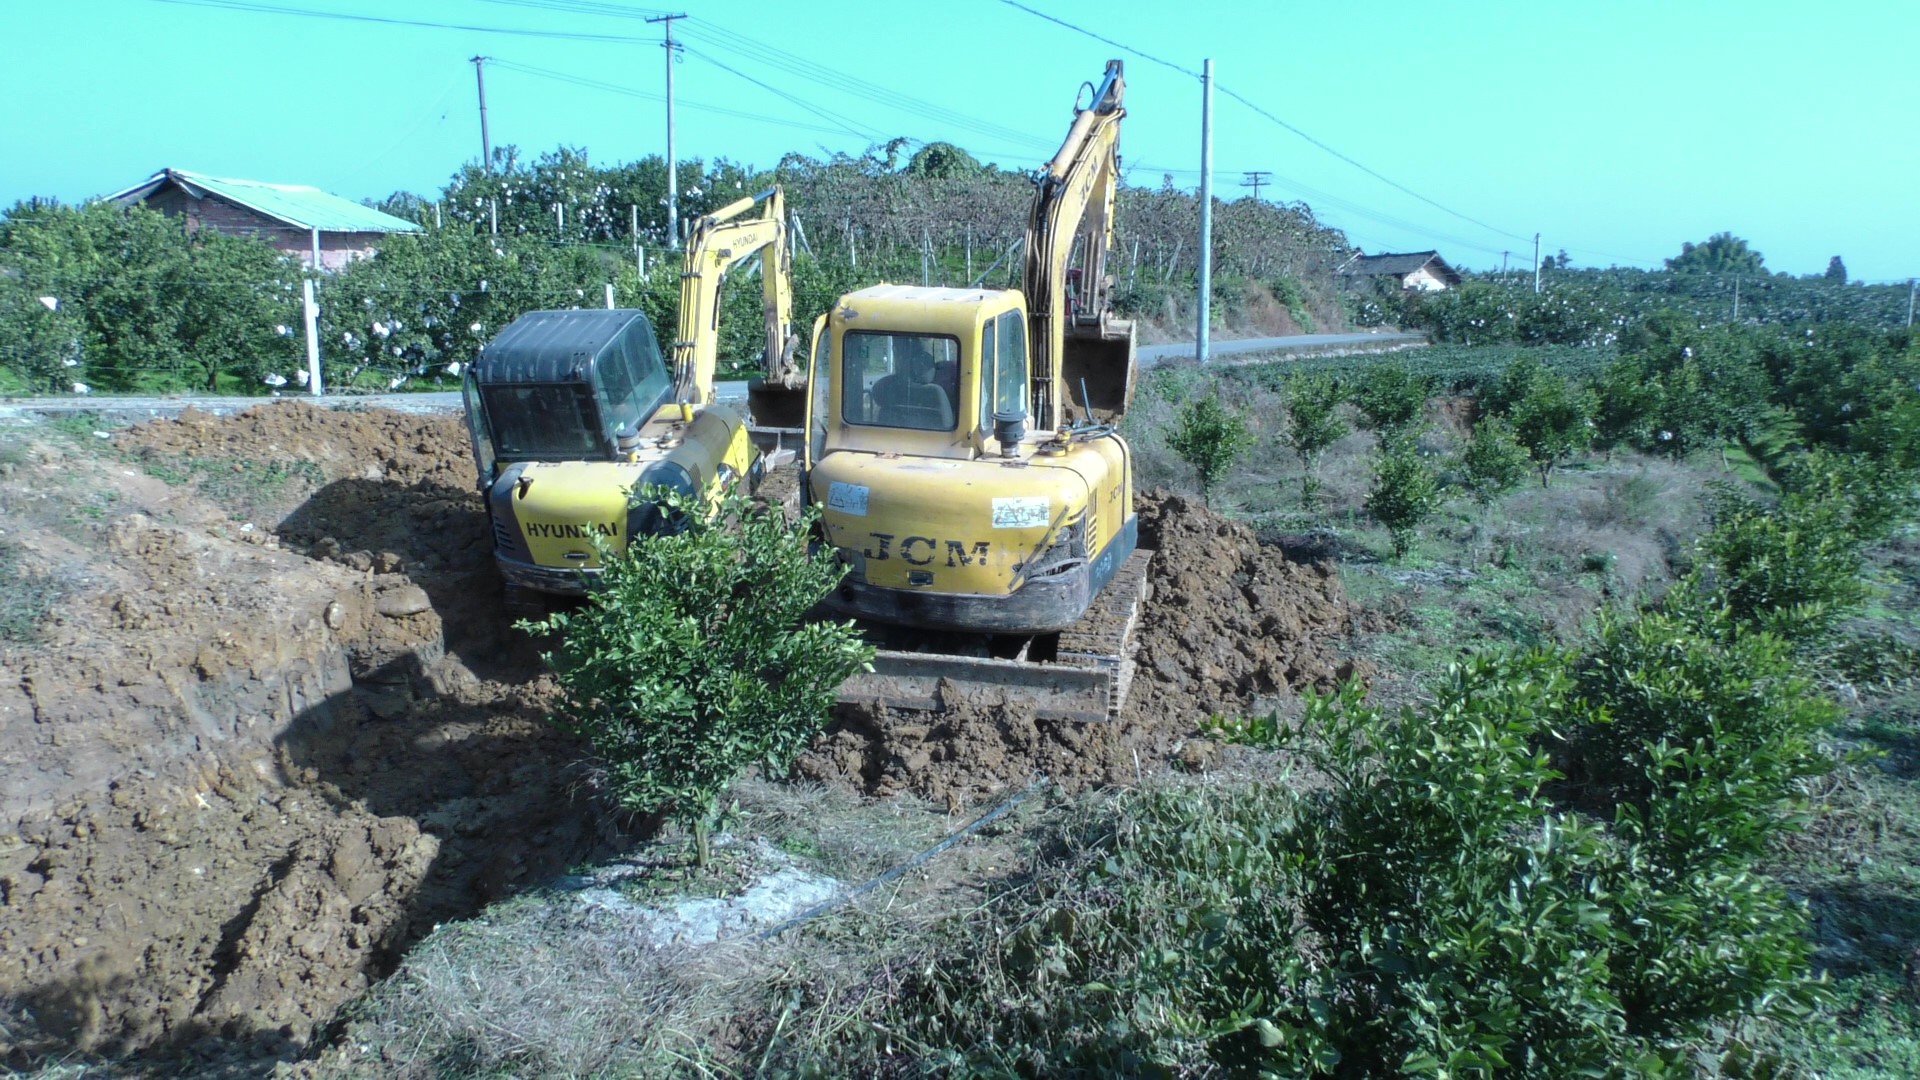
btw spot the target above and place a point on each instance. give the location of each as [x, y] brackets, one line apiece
[337, 249]
[1423, 280]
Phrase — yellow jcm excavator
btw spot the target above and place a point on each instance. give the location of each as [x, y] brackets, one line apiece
[571, 410]
[960, 442]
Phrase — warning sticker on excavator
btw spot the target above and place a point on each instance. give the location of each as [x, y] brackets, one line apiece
[1022, 512]
[848, 498]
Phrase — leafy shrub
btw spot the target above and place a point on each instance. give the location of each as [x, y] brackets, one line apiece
[1405, 493]
[1698, 735]
[1494, 461]
[1390, 398]
[1791, 568]
[1314, 424]
[1209, 437]
[1624, 402]
[692, 659]
[1552, 420]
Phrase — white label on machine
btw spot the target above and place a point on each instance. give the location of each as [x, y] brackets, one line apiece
[847, 498]
[1022, 512]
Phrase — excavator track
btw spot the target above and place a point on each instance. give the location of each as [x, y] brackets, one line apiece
[1083, 673]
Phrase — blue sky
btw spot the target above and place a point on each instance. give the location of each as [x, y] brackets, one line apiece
[1616, 128]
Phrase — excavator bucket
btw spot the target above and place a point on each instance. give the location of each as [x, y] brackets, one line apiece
[1081, 674]
[1097, 367]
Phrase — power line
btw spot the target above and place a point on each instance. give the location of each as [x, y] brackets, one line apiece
[628, 91]
[1189, 72]
[825, 114]
[270, 9]
[1249, 103]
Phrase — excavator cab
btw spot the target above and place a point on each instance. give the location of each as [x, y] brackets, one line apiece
[563, 386]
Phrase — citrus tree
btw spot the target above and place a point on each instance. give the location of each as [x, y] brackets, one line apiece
[693, 659]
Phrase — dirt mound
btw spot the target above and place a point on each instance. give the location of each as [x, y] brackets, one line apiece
[246, 767]
[372, 444]
[1229, 621]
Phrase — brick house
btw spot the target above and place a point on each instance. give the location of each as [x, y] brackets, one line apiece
[301, 221]
[1422, 271]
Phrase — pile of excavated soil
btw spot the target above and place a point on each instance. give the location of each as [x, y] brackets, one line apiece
[245, 768]
[1228, 622]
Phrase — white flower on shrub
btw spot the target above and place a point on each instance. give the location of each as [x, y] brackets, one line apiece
[475, 328]
[82, 388]
[1666, 436]
[274, 378]
[380, 330]
[283, 330]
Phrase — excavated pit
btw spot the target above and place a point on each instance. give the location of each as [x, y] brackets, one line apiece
[251, 762]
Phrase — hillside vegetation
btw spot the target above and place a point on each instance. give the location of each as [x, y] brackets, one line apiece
[142, 306]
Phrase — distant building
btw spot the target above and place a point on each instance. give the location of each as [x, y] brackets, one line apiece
[1424, 271]
[294, 218]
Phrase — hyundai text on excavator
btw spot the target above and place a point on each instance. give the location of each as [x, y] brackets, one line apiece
[571, 411]
[960, 444]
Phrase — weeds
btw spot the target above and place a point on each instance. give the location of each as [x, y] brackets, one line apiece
[26, 596]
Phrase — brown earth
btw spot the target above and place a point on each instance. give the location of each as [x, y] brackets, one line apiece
[279, 725]
[1229, 622]
[238, 779]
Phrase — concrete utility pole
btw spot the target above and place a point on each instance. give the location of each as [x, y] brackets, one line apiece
[673, 178]
[1200, 342]
[486, 144]
[1255, 179]
[1536, 262]
[1736, 298]
[310, 316]
[1913, 285]
[1503, 264]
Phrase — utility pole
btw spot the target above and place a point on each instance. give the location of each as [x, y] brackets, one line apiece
[310, 319]
[1913, 284]
[1255, 179]
[673, 178]
[1503, 265]
[1536, 262]
[486, 144]
[1736, 298]
[1200, 343]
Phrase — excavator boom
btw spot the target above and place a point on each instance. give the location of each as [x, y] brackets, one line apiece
[1083, 358]
[718, 244]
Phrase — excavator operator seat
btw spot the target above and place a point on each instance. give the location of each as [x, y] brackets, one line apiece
[910, 398]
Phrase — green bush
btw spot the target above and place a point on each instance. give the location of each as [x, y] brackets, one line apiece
[1792, 568]
[1494, 461]
[1313, 425]
[1209, 437]
[692, 659]
[1405, 493]
[1391, 398]
[1551, 419]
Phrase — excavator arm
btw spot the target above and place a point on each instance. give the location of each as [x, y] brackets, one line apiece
[1083, 358]
[718, 244]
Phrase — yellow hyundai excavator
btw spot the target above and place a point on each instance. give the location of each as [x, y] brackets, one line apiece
[960, 444]
[571, 411]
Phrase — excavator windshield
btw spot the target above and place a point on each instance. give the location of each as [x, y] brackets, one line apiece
[901, 380]
[542, 421]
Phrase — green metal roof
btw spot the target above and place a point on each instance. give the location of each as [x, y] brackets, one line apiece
[295, 204]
